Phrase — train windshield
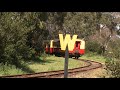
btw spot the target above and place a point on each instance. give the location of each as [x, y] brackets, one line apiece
[77, 44]
[56, 44]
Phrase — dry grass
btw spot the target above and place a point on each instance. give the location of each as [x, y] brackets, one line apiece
[96, 73]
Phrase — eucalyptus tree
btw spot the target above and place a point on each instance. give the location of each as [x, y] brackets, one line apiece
[14, 31]
[55, 23]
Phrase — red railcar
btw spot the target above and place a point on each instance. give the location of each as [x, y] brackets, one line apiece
[53, 47]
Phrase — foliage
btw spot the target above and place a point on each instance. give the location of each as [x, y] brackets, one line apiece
[55, 23]
[81, 23]
[95, 57]
[113, 67]
[113, 59]
[114, 50]
[93, 46]
[6, 69]
[14, 29]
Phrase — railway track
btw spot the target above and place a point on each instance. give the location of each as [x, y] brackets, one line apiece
[60, 73]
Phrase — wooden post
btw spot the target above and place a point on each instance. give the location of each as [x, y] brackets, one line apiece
[66, 63]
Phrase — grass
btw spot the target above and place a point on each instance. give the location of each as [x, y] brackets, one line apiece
[9, 70]
[51, 63]
[94, 57]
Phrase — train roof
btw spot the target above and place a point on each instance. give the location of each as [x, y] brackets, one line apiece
[79, 40]
[57, 40]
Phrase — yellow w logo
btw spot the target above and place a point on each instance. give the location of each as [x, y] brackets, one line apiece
[67, 41]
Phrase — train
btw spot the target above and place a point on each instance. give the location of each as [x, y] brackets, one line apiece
[53, 47]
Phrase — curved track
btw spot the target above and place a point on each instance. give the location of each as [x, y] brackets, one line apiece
[60, 73]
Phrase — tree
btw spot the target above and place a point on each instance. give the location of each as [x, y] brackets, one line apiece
[81, 23]
[55, 23]
[14, 29]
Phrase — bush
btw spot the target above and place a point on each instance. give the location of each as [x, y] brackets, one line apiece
[44, 56]
[7, 69]
[113, 67]
[114, 49]
[113, 59]
[14, 32]
[93, 46]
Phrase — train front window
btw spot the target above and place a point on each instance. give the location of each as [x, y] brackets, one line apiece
[77, 44]
[56, 44]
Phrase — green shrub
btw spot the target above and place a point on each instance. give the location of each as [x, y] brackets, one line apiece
[113, 58]
[93, 46]
[113, 67]
[114, 49]
[44, 56]
[7, 69]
